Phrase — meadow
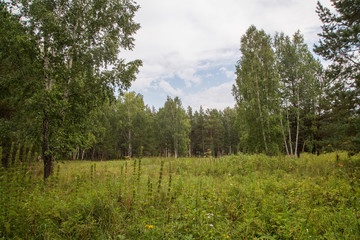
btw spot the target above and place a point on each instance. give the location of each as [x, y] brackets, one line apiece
[234, 197]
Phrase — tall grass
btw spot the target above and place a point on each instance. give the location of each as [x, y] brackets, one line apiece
[236, 197]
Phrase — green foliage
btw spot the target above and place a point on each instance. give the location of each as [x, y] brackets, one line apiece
[339, 43]
[299, 88]
[256, 93]
[213, 132]
[19, 81]
[173, 128]
[236, 197]
[286, 102]
[339, 40]
[63, 66]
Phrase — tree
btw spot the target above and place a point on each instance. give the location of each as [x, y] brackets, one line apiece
[340, 44]
[136, 123]
[19, 75]
[192, 132]
[78, 43]
[297, 70]
[104, 126]
[340, 41]
[198, 132]
[231, 131]
[174, 127]
[215, 132]
[256, 92]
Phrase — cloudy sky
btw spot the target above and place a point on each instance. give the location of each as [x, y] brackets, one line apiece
[189, 48]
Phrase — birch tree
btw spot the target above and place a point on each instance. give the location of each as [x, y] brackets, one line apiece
[297, 70]
[256, 92]
[131, 109]
[78, 44]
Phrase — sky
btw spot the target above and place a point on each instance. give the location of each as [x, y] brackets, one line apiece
[189, 48]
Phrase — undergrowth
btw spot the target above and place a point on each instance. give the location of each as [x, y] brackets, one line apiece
[236, 197]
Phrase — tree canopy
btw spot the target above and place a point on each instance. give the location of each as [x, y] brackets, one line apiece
[77, 45]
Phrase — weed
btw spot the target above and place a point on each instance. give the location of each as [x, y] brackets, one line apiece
[236, 197]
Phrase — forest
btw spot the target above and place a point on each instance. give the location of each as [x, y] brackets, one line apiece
[60, 74]
[82, 157]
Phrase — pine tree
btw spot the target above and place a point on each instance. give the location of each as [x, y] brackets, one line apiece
[340, 44]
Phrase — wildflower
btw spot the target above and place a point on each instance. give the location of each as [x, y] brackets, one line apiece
[210, 225]
[209, 215]
[149, 226]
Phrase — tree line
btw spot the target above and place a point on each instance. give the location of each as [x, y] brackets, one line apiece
[127, 127]
[60, 69]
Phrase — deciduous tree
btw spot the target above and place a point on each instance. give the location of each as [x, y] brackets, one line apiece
[78, 43]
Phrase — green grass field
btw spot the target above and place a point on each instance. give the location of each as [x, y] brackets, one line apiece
[236, 197]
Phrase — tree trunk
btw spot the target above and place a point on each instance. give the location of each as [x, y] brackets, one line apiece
[303, 148]
[202, 139]
[190, 148]
[47, 158]
[283, 132]
[260, 113]
[318, 121]
[297, 124]
[93, 153]
[130, 146]
[176, 145]
[289, 130]
[267, 110]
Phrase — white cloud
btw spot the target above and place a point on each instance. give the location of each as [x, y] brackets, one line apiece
[189, 76]
[167, 88]
[218, 97]
[229, 74]
[179, 38]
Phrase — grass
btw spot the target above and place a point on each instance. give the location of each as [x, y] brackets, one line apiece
[236, 197]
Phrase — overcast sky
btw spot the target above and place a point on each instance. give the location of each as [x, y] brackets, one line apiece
[189, 48]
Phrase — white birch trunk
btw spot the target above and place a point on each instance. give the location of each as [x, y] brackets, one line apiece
[297, 123]
[260, 113]
[283, 133]
[289, 130]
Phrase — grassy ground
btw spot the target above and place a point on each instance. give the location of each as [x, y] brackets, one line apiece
[237, 197]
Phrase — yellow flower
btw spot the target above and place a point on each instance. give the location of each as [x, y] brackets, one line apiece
[149, 226]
